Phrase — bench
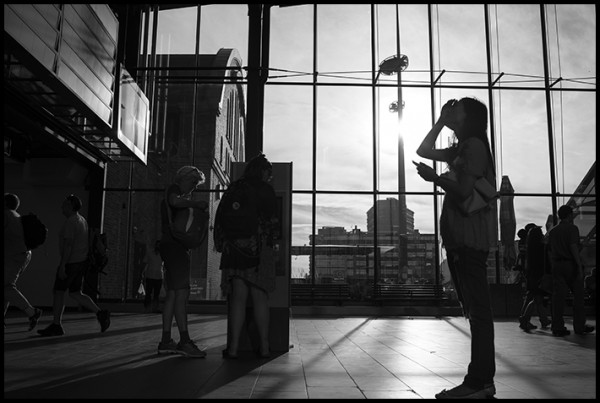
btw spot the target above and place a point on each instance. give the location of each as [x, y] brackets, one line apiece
[409, 293]
[310, 294]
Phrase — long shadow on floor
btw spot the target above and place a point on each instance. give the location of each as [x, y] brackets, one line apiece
[154, 377]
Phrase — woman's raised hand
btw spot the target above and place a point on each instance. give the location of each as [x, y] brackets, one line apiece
[447, 110]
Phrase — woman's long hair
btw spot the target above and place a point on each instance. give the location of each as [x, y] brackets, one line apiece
[476, 122]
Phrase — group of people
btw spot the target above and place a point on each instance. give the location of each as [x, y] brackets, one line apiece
[239, 279]
[552, 267]
[73, 243]
[467, 239]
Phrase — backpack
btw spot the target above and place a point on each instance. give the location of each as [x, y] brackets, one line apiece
[34, 231]
[97, 252]
[189, 227]
[237, 214]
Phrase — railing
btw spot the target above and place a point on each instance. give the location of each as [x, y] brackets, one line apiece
[409, 293]
[321, 294]
[383, 294]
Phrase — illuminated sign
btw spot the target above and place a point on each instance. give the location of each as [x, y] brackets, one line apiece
[134, 117]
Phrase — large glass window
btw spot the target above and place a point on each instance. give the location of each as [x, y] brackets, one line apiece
[350, 125]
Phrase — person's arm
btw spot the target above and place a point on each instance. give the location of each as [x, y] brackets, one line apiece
[427, 148]
[65, 254]
[574, 248]
[473, 156]
[182, 201]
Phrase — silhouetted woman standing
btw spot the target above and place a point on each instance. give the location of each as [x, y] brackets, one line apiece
[467, 238]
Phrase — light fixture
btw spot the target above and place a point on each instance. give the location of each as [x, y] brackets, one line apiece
[394, 106]
[393, 65]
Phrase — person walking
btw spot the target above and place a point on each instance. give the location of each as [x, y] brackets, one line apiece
[16, 260]
[73, 244]
[535, 268]
[176, 258]
[153, 276]
[247, 265]
[467, 238]
[567, 274]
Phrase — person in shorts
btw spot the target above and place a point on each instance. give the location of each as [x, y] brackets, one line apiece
[73, 249]
[176, 258]
[16, 260]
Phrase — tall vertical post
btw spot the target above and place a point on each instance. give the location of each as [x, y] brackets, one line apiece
[257, 73]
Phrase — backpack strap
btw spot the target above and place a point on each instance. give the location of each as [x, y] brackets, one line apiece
[168, 208]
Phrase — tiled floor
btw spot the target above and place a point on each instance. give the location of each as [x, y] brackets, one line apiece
[341, 358]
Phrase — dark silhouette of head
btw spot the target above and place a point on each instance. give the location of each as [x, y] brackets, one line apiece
[256, 166]
[75, 202]
[565, 212]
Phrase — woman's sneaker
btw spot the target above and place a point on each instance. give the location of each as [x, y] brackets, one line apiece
[52, 330]
[103, 317]
[189, 349]
[169, 347]
[33, 319]
[465, 392]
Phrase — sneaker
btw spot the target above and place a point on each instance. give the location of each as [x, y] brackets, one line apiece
[52, 330]
[465, 392]
[560, 333]
[190, 349]
[526, 325]
[587, 329]
[104, 318]
[33, 319]
[169, 347]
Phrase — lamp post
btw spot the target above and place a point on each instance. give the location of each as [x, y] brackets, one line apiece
[395, 64]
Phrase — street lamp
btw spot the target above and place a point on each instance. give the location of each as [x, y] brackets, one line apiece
[392, 65]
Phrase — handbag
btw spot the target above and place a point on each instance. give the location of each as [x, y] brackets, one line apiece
[483, 194]
[141, 289]
[189, 227]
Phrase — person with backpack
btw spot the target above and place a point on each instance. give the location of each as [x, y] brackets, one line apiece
[16, 259]
[74, 261]
[176, 257]
[244, 231]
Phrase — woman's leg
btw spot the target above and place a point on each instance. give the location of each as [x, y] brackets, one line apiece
[237, 313]
[452, 259]
[472, 269]
[148, 296]
[180, 311]
[526, 300]
[542, 311]
[156, 295]
[260, 302]
[167, 314]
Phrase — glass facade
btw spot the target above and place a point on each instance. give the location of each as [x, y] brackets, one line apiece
[361, 216]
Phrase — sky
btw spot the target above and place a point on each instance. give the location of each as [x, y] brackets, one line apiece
[344, 115]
